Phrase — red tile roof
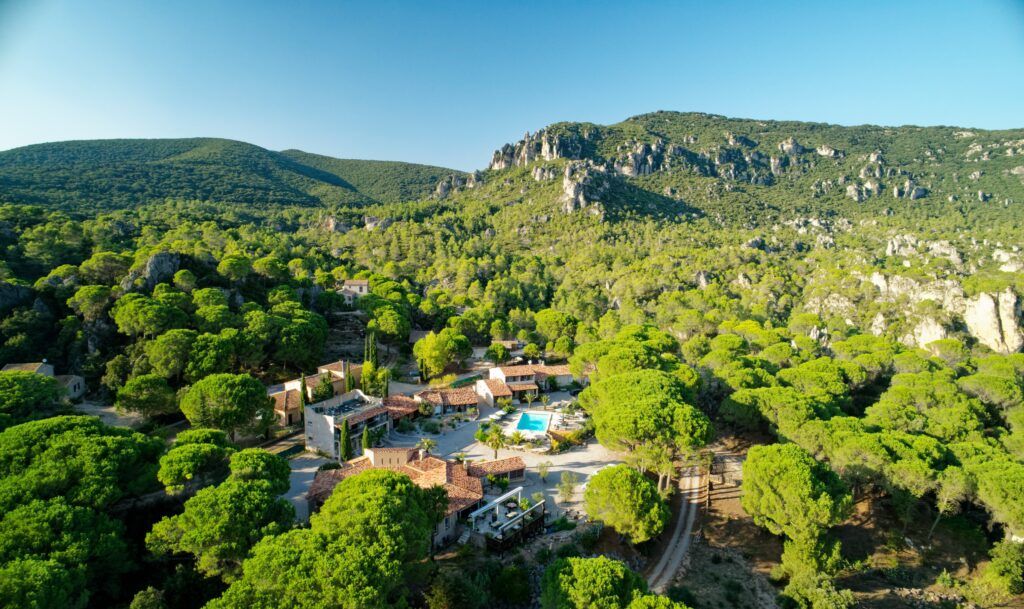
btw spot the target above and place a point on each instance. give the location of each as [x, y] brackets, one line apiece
[29, 367]
[401, 406]
[365, 415]
[463, 489]
[286, 400]
[462, 396]
[501, 466]
[498, 388]
[559, 370]
[524, 370]
[357, 282]
[523, 387]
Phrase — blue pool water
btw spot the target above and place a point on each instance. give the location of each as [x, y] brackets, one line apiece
[533, 421]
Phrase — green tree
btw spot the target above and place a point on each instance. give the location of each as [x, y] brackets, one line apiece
[345, 441]
[359, 551]
[366, 438]
[231, 402]
[90, 301]
[589, 583]
[324, 390]
[169, 353]
[184, 463]
[148, 395]
[24, 395]
[435, 352]
[426, 445]
[567, 486]
[625, 500]
[789, 493]
[258, 464]
[495, 440]
[221, 524]
[87, 543]
[497, 353]
[235, 267]
[185, 280]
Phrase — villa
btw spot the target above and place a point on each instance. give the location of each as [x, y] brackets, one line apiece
[74, 385]
[288, 399]
[449, 400]
[491, 390]
[324, 421]
[518, 381]
[465, 489]
[354, 289]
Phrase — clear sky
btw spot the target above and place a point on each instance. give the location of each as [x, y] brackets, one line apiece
[447, 82]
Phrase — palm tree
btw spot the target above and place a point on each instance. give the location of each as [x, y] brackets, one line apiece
[529, 397]
[495, 440]
[545, 399]
[517, 438]
[426, 445]
[503, 403]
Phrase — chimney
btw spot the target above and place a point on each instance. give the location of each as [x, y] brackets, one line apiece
[422, 454]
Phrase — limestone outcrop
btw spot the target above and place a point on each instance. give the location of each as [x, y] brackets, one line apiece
[159, 268]
[995, 320]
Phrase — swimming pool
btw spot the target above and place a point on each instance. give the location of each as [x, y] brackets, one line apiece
[533, 421]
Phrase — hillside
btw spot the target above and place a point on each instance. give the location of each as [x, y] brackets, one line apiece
[733, 166]
[109, 174]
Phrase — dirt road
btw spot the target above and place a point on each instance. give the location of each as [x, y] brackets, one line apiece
[661, 576]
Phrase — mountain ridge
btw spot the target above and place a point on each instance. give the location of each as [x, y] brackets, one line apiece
[115, 173]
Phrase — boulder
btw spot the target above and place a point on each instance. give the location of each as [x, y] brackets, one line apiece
[159, 268]
[828, 152]
[995, 320]
[791, 147]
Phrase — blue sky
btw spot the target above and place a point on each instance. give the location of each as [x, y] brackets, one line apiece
[447, 82]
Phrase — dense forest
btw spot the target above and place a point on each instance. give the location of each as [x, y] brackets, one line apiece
[846, 299]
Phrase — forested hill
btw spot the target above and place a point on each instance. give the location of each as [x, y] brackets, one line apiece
[108, 174]
[752, 169]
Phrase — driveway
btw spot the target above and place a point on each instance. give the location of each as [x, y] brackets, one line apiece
[304, 468]
[109, 415]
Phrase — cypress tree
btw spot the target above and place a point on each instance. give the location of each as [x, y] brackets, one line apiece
[366, 438]
[345, 442]
[350, 381]
[303, 396]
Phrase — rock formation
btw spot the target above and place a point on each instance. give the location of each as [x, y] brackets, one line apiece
[995, 320]
[159, 268]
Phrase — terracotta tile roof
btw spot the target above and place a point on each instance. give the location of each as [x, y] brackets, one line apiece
[511, 345]
[401, 406]
[286, 400]
[498, 388]
[501, 466]
[338, 366]
[463, 489]
[67, 379]
[28, 367]
[523, 387]
[357, 282]
[524, 370]
[365, 415]
[462, 396]
[559, 370]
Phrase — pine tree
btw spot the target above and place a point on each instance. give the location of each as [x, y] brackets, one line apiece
[366, 438]
[345, 442]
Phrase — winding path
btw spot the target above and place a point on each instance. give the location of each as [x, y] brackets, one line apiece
[660, 577]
